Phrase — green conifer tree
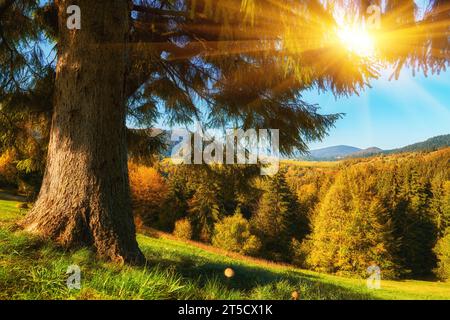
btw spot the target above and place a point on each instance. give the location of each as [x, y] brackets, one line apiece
[278, 219]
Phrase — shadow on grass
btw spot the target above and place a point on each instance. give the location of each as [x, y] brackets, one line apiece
[250, 279]
[8, 195]
[203, 272]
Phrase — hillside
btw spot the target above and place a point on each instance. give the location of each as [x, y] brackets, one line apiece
[330, 153]
[365, 153]
[32, 268]
[344, 152]
[429, 145]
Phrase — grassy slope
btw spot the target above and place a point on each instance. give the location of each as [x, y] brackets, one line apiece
[32, 268]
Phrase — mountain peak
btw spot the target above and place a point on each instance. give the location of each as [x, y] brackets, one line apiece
[344, 151]
[333, 153]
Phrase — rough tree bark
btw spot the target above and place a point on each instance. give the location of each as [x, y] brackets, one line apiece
[84, 199]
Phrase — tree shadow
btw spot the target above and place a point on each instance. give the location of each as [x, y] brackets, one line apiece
[248, 278]
[7, 195]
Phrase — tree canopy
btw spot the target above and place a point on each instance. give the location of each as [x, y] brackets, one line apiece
[239, 62]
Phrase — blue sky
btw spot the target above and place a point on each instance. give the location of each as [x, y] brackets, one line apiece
[391, 114]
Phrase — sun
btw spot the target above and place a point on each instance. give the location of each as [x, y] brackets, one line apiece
[357, 40]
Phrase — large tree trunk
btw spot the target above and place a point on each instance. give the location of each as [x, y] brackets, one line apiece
[84, 199]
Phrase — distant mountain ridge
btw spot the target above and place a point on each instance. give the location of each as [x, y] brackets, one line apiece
[330, 153]
[429, 145]
[343, 151]
[334, 152]
[366, 152]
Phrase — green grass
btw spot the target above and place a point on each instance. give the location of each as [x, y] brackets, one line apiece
[32, 268]
[9, 211]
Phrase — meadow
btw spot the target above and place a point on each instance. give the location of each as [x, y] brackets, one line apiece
[33, 268]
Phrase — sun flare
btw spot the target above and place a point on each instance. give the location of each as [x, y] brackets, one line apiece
[357, 40]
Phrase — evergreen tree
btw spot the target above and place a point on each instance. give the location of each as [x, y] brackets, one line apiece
[442, 251]
[440, 204]
[278, 219]
[414, 223]
[204, 211]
